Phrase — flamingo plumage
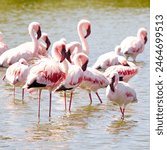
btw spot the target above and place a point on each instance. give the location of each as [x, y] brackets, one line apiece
[48, 73]
[26, 50]
[3, 45]
[134, 45]
[120, 92]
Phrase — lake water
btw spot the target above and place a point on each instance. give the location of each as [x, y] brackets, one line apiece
[97, 126]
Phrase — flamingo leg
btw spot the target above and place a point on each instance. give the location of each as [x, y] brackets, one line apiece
[50, 103]
[123, 112]
[70, 101]
[22, 95]
[90, 96]
[39, 100]
[14, 91]
[65, 101]
[99, 97]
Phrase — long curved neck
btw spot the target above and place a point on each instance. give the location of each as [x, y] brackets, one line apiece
[35, 41]
[85, 47]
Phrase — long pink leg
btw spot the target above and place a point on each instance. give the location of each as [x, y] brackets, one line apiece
[122, 112]
[39, 100]
[50, 103]
[65, 101]
[99, 97]
[14, 90]
[22, 95]
[70, 101]
[90, 96]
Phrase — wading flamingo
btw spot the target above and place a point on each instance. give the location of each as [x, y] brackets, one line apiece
[25, 50]
[120, 93]
[48, 73]
[74, 76]
[16, 74]
[132, 46]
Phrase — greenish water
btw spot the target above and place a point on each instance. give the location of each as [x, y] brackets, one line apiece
[87, 127]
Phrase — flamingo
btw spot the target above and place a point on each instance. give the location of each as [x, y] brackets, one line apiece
[3, 46]
[125, 72]
[132, 46]
[16, 74]
[74, 76]
[120, 93]
[92, 81]
[109, 59]
[25, 50]
[48, 73]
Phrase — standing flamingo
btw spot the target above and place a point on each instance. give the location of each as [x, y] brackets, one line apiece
[120, 93]
[25, 50]
[48, 73]
[3, 46]
[74, 76]
[17, 73]
[110, 59]
[132, 46]
[92, 81]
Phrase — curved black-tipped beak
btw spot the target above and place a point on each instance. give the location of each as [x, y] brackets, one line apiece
[63, 53]
[121, 78]
[88, 32]
[84, 66]
[68, 54]
[145, 39]
[48, 43]
[39, 33]
[126, 64]
[112, 84]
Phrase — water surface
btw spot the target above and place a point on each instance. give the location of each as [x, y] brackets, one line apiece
[87, 127]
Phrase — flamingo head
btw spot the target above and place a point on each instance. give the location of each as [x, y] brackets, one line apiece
[86, 25]
[36, 27]
[63, 53]
[45, 38]
[122, 60]
[142, 33]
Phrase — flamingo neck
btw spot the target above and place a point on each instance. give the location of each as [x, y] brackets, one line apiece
[65, 66]
[83, 40]
[35, 42]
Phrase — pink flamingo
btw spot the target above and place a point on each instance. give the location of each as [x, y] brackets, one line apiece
[132, 46]
[16, 74]
[48, 73]
[120, 93]
[110, 59]
[125, 72]
[3, 46]
[25, 50]
[74, 76]
[92, 81]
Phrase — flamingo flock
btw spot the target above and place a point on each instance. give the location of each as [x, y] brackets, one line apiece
[31, 66]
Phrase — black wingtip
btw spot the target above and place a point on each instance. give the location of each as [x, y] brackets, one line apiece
[35, 84]
[62, 88]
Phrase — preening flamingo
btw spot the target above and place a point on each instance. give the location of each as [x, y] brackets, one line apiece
[26, 50]
[120, 93]
[16, 74]
[3, 45]
[74, 76]
[48, 73]
[132, 46]
[110, 59]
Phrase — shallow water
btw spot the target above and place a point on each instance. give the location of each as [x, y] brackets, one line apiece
[87, 127]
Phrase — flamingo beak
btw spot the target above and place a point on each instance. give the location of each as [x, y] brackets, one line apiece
[112, 84]
[145, 39]
[63, 53]
[39, 33]
[88, 32]
[68, 54]
[84, 66]
[48, 43]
